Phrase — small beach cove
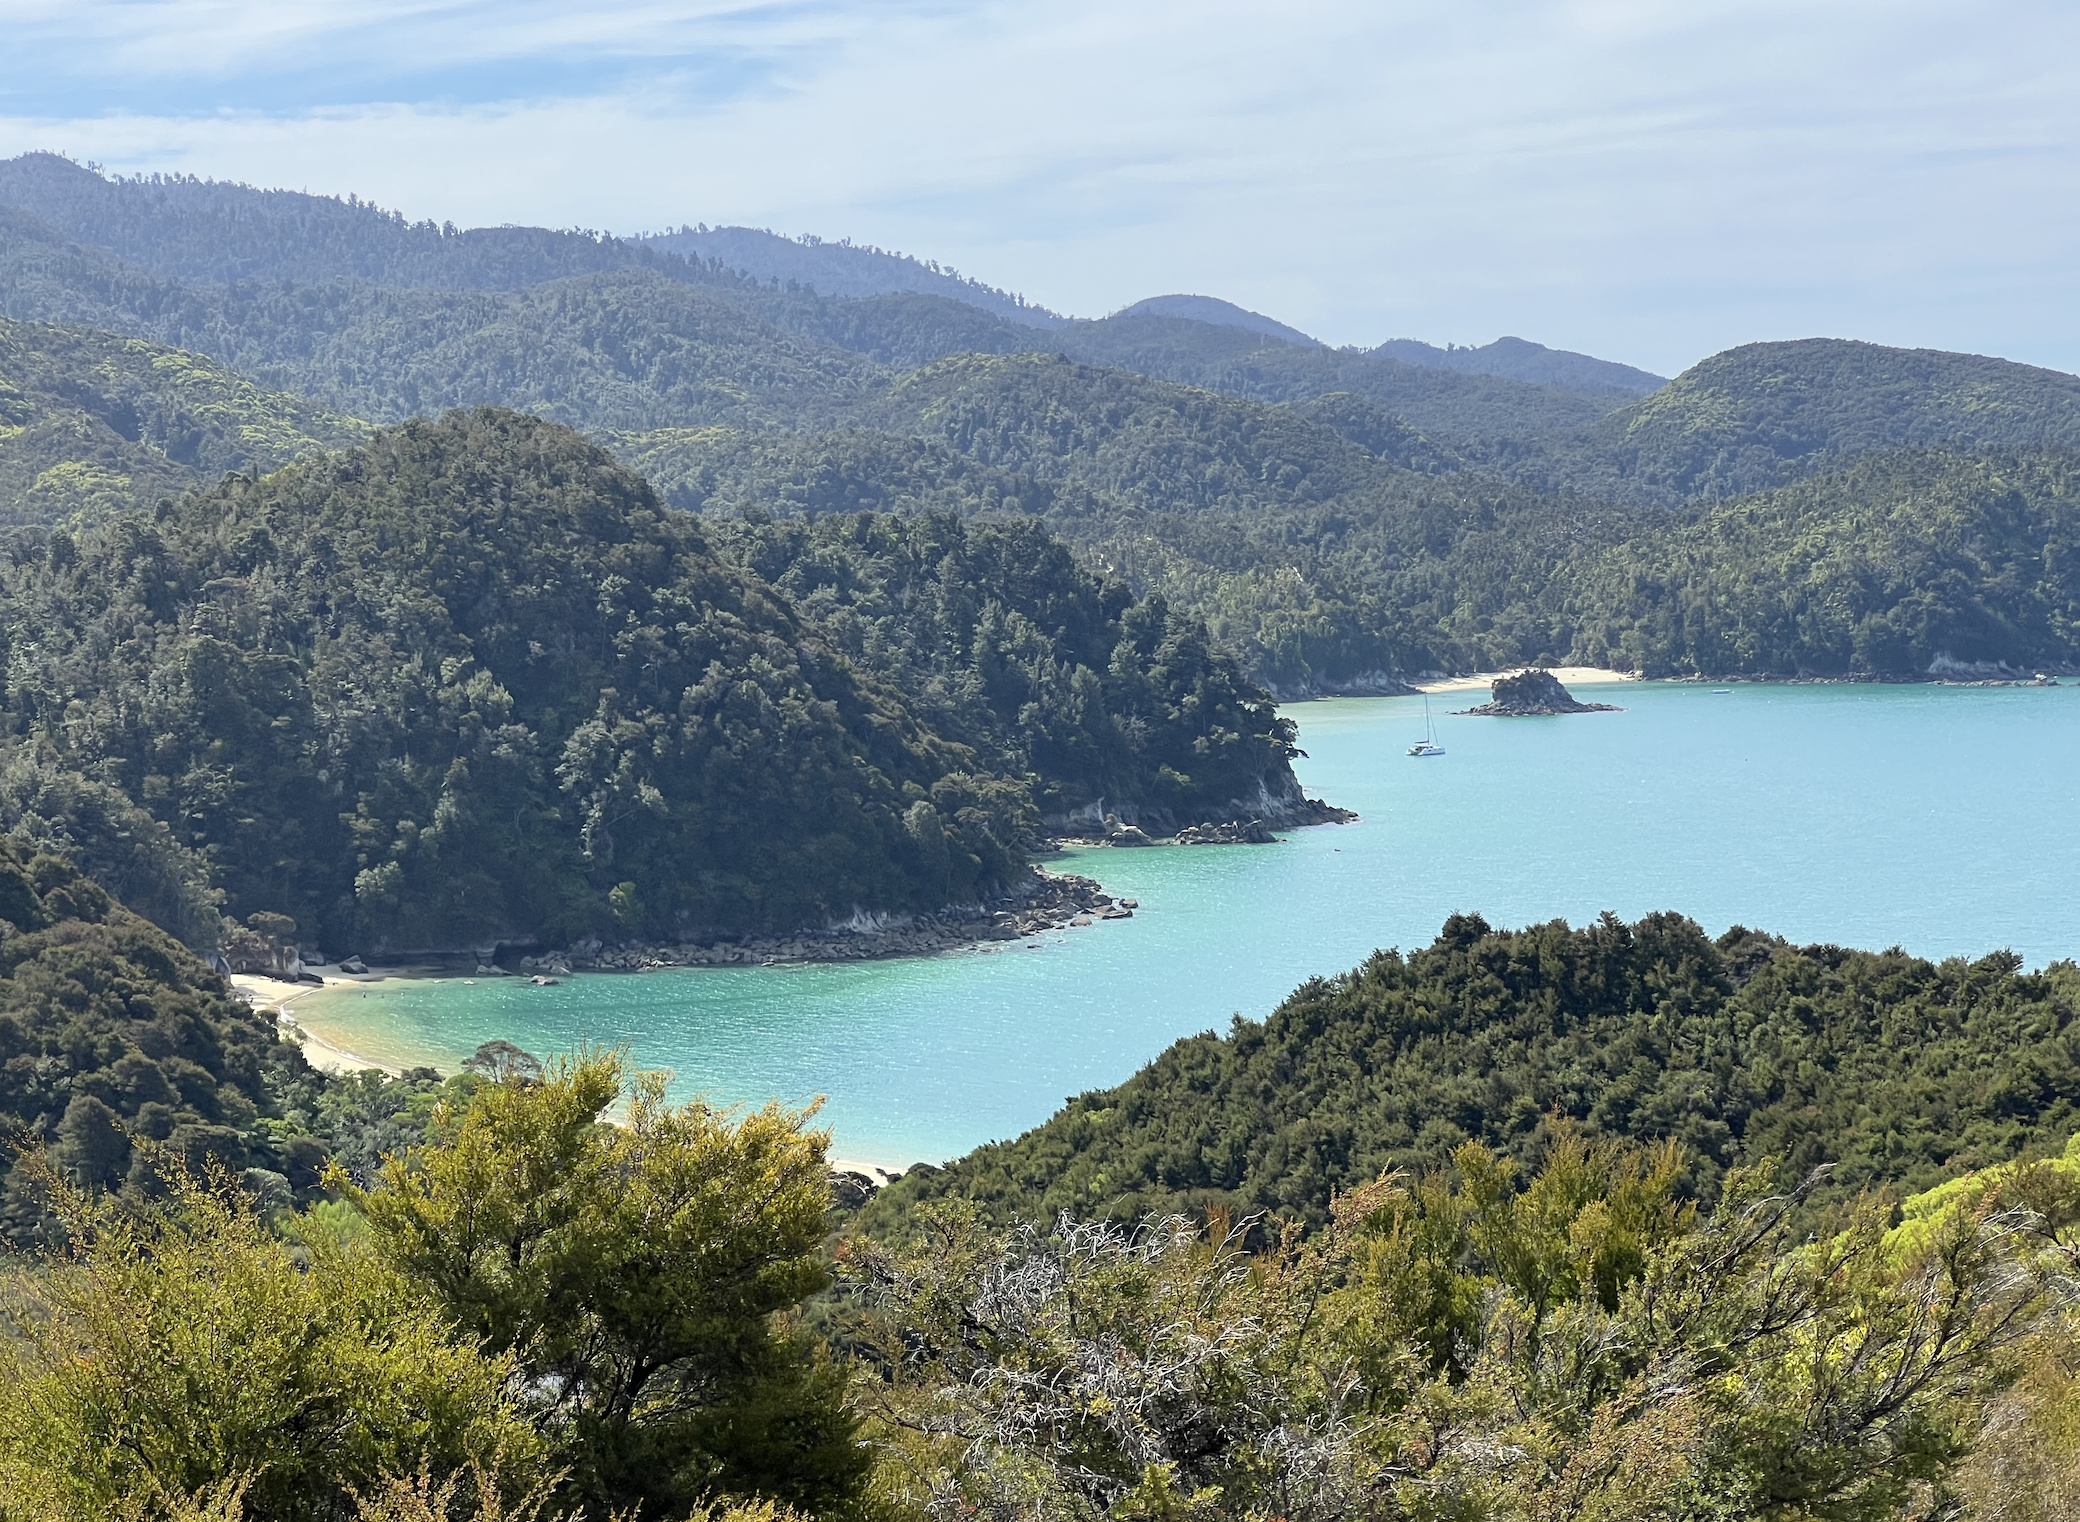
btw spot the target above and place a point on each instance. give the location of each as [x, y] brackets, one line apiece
[1938, 818]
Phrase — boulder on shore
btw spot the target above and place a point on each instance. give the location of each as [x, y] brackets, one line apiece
[1534, 694]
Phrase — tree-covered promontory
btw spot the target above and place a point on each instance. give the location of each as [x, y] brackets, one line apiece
[474, 682]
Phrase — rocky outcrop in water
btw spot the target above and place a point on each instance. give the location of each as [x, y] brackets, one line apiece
[1239, 832]
[1534, 694]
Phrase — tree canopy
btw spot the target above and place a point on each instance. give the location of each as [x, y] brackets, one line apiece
[1887, 1068]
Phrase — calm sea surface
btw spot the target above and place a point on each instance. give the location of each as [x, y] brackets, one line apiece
[1941, 819]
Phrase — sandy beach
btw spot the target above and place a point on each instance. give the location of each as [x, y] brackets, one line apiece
[1570, 676]
[282, 999]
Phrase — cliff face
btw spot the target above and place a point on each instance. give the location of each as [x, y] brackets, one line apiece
[1531, 694]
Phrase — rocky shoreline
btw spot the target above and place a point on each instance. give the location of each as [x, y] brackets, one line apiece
[1043, 901]
[1233, 832]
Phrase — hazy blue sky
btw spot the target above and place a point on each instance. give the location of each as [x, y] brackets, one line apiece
[1647, 181]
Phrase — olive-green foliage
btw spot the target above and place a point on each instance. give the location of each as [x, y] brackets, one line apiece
[1006, 645]
[1160, 447]
[90, 422]
[1468, 1343]
[641, 344]
[1880, 570]
[458, 684]
[634, 1271]
[114, 1036]
[730, 472]
[1891, 1068]
[186, 1351]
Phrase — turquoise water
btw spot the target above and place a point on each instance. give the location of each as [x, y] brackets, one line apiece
[1941, 819]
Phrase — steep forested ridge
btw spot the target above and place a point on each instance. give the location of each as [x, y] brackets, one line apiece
[842, 268]
[1894, 1069]
[455, 685]
[1763, 415]
[180, 228]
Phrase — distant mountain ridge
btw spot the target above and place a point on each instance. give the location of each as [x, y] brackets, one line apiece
[842, 268]
[1520, 359]
[216, 232]
[1217, 313]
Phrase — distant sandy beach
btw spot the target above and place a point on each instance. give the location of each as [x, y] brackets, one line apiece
[1570, 676]
[282, 1000]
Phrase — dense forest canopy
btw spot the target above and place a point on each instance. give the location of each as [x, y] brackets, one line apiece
[114, 1038]
[842, 268]
[1004, 644]
[1893, 1069]
[473, 682]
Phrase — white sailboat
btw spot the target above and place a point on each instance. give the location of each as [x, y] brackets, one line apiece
[1427, 746]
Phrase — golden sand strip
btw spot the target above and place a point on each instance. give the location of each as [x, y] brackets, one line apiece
[1570, 676]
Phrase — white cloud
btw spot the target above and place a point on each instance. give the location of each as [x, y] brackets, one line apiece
[1649, 181]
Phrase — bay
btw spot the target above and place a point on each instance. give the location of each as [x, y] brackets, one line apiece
[1942, 819]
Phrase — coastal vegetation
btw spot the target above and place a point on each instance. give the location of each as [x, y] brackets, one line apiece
[1887, 1069]
[536, 1313]
[1620, 1221]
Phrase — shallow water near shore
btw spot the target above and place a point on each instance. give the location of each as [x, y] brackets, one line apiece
[1941, 819]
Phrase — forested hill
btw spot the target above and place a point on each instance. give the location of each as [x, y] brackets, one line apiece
[1766, 414]
[1520, 359]
[1342, 519]
[473, 682]
[1894, 1069]
[90, 422]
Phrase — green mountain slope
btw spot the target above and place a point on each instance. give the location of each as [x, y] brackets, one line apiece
[1906, 564]
[1767, 414]
[1520, 359]
[1109, 705]
[843, 269]
[1160, 448]
[90, 421]
[1475, 412]
[1894, 1069]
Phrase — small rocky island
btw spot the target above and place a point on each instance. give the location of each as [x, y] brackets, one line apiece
[1534, 694]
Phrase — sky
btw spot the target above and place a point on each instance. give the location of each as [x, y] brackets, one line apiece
[1649, 182]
